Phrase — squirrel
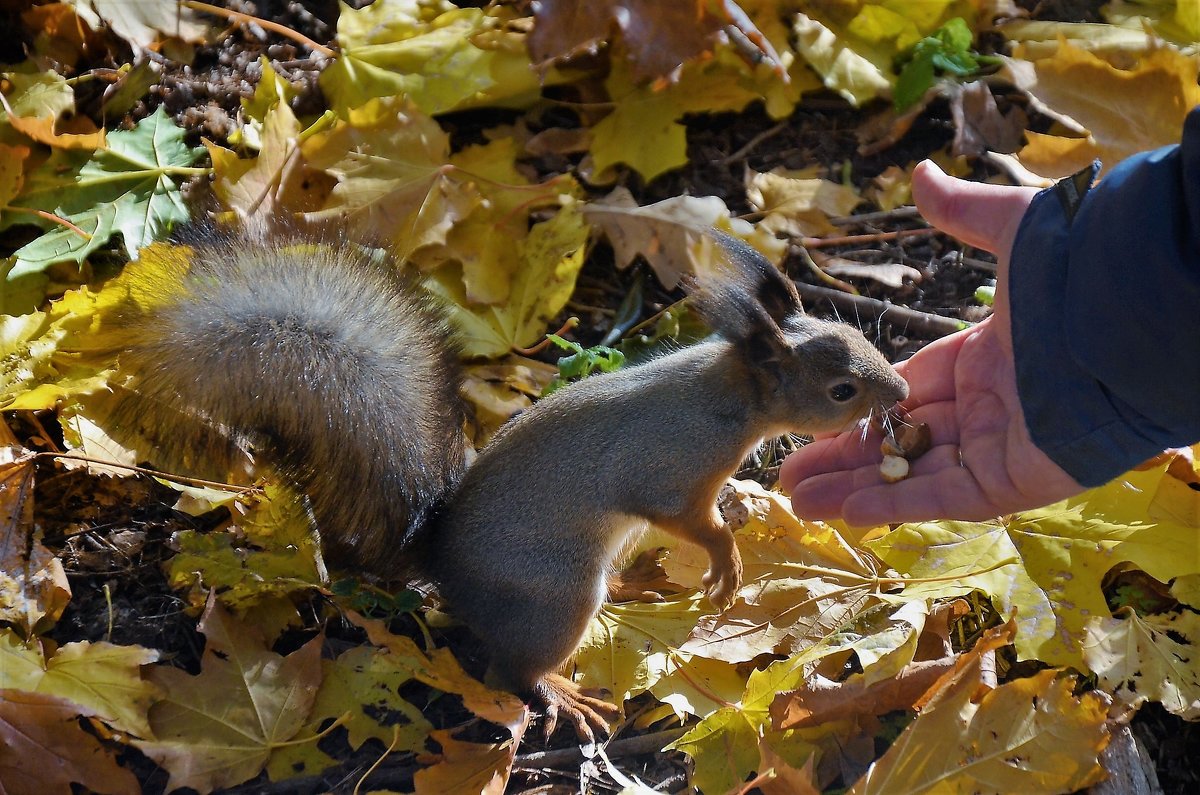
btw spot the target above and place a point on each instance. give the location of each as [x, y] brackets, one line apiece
[332, 369]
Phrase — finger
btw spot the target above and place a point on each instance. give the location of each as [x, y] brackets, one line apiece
[950, 492]
[821, 496]
[852, 450]
[979, 214]
[930, 371]
[821, 456]
[938, 487]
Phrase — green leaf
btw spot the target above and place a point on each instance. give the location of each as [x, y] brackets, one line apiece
[131, 187]
[947, 49]
[37, 94]
[582, 362]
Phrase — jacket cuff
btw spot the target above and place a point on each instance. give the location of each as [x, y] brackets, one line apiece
[1095, 285]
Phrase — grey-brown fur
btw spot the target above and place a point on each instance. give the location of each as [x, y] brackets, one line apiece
[325, 364]
[532, 532]
[328, 367]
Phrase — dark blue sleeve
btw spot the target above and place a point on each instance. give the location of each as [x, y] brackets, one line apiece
[1106, 314]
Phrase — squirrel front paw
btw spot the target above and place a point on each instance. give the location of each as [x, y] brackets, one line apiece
[723, 578]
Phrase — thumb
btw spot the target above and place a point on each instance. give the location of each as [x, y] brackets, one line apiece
[981, 215]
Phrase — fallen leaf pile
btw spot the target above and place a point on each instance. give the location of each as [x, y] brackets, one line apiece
[496, 150]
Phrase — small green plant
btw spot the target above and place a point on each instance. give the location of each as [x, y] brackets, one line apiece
[374, 601]
[582, 362]
[946, 50]
[986, 293]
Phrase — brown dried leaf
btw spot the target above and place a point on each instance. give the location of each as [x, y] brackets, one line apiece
[219, 728]
[979, 125]
[658, 37]
[822, 700]
[1030, 735]
[796, 205]
[43, 749]
[889, 274]
[467, 767]
[777, 777]
[672, 234]
[33, 586]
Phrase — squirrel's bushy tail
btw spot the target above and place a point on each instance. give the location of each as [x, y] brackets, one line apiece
[323, 363]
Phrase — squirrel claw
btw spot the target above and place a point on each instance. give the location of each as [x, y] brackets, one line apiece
[721, 582]
[620, 592]
[586, 714]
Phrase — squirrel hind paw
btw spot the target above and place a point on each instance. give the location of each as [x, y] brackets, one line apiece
[587, 714]
[723, 579]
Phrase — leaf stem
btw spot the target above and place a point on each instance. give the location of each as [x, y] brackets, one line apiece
[345, 718]
[52, 218]
[211, 484]
[266, 24]
[391, 747]
[571, 323]
[948, 577]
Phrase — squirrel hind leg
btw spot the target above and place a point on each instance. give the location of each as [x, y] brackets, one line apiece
[530, 641]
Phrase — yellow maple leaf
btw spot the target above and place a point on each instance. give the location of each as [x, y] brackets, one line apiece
[628, 647]
[503, 199]
[361, 688]
[726, 746]
[440, 670]
[801, 581]
[1124, 111]
[859, 74]
[276, 183]
[103, 678]
[285, 559]
[438, 57]
[551, 257]
[1046, 566]
[1029, 736]
[643, 130]
[1151, 658]
[394, 181]
[218, 728]
[799, 206]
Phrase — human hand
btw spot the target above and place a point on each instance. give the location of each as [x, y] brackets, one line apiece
[982, 463]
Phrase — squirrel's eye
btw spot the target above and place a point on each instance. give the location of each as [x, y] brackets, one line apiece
[842, 391]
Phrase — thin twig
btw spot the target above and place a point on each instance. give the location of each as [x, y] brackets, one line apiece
[753, 142]
[876, 237]
[977, 264]
[922, 323]
[630, 746]
[906, 211]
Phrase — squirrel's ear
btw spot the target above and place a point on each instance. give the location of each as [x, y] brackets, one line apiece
[747, 300]
[773, 290]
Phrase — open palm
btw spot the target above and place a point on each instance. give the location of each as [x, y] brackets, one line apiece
[983, 462]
